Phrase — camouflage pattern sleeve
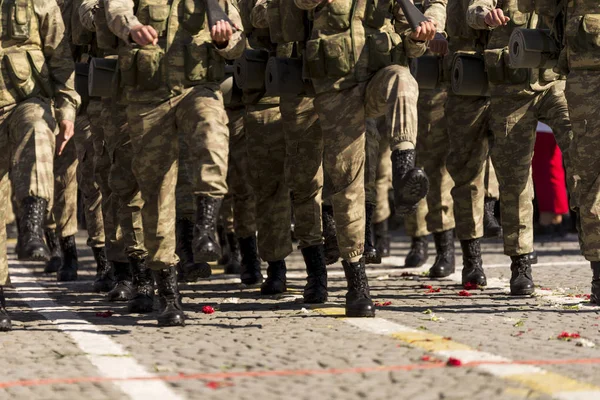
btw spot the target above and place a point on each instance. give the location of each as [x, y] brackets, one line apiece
[436, 10]
[258, 16]
[87, 10]
[58, 57]
[412, 48]
[477, 11]
[120, 18]
[307, 4]
[237, 43]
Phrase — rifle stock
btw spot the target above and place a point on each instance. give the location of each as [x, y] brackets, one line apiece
[412, 13]
[215, 13]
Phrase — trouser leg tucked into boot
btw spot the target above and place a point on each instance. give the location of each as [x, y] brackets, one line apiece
[32, 246]
[444, 264]
[491, 227]
[250, 261]
[68, 269]
[206, 246]
[418, 253]
[472, 273]
[315, 291]
[143, 285]
[410, 183]
[382, 238]
[192, 271]
[521, 280]
[234, 266]
[123, 290]
[171, 310]
[5, 322]
[595, 296]
[332, 251]
[276, 280]
[371, 255]
[358, 298]
[55, 252]
[105, 277]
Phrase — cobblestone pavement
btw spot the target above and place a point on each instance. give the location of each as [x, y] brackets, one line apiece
[65, 345]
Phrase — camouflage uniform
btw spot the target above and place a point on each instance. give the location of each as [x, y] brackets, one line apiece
[32, 40]
[519, 98]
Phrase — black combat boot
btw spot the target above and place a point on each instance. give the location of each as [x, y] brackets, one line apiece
[206, 246]
[32, 246]
[55, 260]
[276, 280]
[472, 273]
[382, 238]
[5, 322]
[68, 269]
[171, 310]
[595, 296]
[418, 253]
[371, 255]
[533, 257]
[234, 266]
[105, 277]
[491, 227]
[444, 264]
[358, 298]
[332, 251]
[315, 291]
[410, 183]
[184, 230]
[250, 261]
[224, 260]
[123, 290]
[143, 284]
[521, 281]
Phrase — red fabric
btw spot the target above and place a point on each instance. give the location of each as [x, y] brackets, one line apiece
[549, 175]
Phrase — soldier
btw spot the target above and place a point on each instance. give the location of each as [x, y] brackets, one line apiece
[519, 98]
[171, 83]
[37, 68]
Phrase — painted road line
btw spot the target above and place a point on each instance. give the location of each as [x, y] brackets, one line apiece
[98, 347]
[532, 376]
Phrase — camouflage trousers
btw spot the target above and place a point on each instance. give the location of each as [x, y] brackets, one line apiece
[199, 115]
[27, 141]
[378, 170]
[581, 91]
[63, 216]
[513, 120]
[265, 144]
[434, 213]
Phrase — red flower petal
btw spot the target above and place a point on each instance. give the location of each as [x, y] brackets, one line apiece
[208, 310]
[104, 314]
[426, 358]
[434, 290]
[471, 286]
[454, 362]
[427, 286]
[464, 293]
[385, 304]
[217, 385]
[567, 336]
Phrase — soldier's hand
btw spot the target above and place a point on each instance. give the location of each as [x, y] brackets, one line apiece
[144, 35]
[425, 31]
[439, 44]
[221, 33]
[496, 18]
[67, 130]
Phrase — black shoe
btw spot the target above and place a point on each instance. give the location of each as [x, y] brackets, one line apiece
[332, 250]
[370, 253]
[418, 253]
[521, 281]
[143, 284]
[206, 246]
[171, 310]
[382, 238]
[68, 269]
[276, 281]
[533, 257]
[32, 246]
[123, 290]
[225, 255]
[444, 264]
[55, 260]
[234, 266]
[358, 298]
[491, 227]
[595, 296]
[191, 271]
[250, 262]
[472, 273]
[410, 184]
[105, 278]
[5, 322]
[315, 291]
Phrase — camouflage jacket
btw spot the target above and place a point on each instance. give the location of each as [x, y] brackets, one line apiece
[185, 55]
[36, 60]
